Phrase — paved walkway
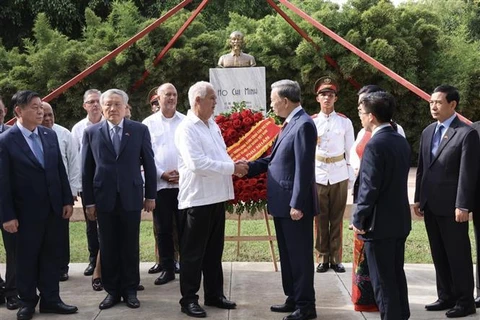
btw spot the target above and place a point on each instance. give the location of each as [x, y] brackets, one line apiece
[254, 286]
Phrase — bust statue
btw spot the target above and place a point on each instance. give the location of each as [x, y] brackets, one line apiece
[236, 58]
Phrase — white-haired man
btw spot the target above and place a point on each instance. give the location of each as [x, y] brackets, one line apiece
[205, 171]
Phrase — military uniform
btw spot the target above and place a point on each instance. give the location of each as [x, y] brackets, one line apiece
[332, 174]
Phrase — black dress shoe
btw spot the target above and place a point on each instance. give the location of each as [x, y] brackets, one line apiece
[109, 302]
[302, 314]
[13, 303]
[338, 267]
[25, 313]
[221, 302]
[155, 269]
[177, 267]
[59, 308]
[64, 276]
[193, 309]
[165, 277]
[439, 305]
[131, 302]
[460, 311]
[282, 307]
[140, 287]
[89, 270]
[477, 302]
[97, 284]
[322, 267]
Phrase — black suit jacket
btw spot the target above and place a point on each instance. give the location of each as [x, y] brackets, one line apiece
[29, 192]
[104, 174]
[383, 176]
[448, 180]
[476, 207]
[291, 169]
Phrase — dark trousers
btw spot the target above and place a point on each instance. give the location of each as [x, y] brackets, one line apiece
[65, 259]
[38, 260]
[452, 258]
[120, 250]
[165, 213]
[92, 238]
[386, 258]
[202, 236]
[10, 244]
[476, 224]
[295, 246]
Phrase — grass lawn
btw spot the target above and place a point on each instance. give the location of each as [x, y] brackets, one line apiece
[417, 248]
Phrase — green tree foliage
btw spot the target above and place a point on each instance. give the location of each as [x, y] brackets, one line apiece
[428, 43]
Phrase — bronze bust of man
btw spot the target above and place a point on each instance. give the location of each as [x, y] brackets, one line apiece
[236, 58]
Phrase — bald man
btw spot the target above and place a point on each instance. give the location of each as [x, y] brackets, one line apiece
[71, 161]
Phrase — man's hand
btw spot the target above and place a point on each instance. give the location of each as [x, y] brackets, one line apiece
[91, 213]
[11, 226]
[148, 205]
[67, 211]
[357, 231]
[416, 210]
[461, 215]
[170, 176]
[241, 168]
[296, 214]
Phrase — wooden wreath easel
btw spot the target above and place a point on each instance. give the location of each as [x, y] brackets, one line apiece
[238, 238]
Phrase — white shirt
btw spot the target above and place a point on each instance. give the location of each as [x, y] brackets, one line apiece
[204, 166]
[70, 157]
[77, 133]
[354, 159]
[335, 138]
[162, 132]
[79, 128]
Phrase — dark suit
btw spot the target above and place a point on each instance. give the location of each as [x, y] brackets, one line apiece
[115, 186]
[291, 184]
[9, 287]
[383, 203]
[476, 218]
[444, 183]
[35, 196]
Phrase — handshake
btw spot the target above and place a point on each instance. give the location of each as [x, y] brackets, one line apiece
[241, 168]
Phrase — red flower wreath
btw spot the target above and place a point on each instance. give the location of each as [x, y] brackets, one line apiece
[250, 193]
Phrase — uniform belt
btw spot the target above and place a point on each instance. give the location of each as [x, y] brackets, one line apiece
[332, 159]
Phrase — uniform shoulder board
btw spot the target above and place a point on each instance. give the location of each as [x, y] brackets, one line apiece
[342, 115]
[313, 116]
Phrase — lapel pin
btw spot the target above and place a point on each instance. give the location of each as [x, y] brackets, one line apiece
[445, 137]
[127, 134]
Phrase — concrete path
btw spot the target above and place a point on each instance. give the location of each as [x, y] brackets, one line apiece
[254, 286]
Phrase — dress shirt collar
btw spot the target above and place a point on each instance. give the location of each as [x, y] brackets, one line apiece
[383, 125]
[446, 123]
[294, 112]
[111, 125]
[332, 114]
[25, 131]
[196, 119]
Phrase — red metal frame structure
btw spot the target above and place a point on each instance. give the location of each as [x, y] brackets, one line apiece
[419, 92]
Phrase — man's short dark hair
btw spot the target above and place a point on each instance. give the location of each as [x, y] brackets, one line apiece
[369, 88]
[23, 98]
[381, 104]
[450, 91]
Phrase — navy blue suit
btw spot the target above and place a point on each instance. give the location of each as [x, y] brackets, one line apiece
[446, 182]
[35, 196]
[115, 186]
[291, 184]
[383, 208]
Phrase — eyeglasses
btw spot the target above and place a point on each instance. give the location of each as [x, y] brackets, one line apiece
[155, 103]
[92, 101]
